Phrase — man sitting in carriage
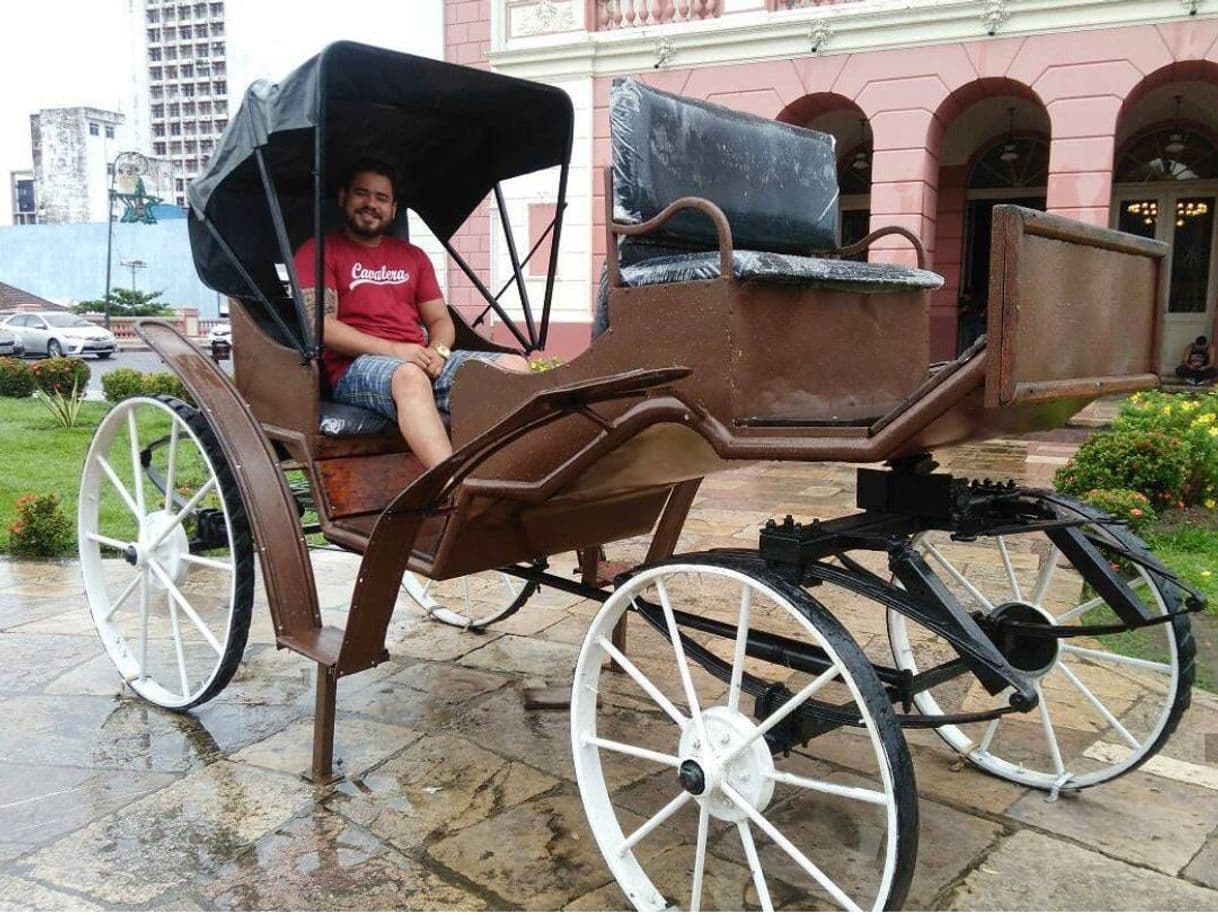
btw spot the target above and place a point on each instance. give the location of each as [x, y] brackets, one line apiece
[387, 328]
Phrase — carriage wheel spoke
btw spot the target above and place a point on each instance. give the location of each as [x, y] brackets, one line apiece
[866, 795]
[750, 853]
[108, 541]
[1093, 654]
[627, 749]
[742, 638]
[988, 737]
[126, 592]
[143, 669]
[1016, 593]
[786, 845]
[207, 562]
[469, 599]
[1050, 735]
[780, 713]
[647, 828]
[118, 485]
[695, 892]
[136, 472]
[171, 463]
[1045, 577]
[691, 696]
[1099, 706]
[958, 577]
[1087, 606]
[177, 597]
[177, 644]
[182, 513]
[510, 585]
[643, 681]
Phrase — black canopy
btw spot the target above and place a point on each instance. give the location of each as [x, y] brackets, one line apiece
[451, 132]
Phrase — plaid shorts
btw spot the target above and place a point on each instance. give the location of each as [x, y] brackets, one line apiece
[366, 382]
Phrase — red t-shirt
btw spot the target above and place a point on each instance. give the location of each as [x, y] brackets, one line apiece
[379, 289]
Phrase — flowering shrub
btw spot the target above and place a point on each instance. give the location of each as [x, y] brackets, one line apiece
[61, 375]
[41, 529]
[540, 364]
[123, 383]
[1125, 504]
[16, 378]
[1164, 446]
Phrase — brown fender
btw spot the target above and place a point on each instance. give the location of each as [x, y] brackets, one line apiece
[280, 540]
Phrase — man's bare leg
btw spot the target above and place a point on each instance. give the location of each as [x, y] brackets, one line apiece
[512, 363]
[418, 417]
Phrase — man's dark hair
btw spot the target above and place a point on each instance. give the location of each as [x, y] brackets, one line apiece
[377, 167]
[1201, 341]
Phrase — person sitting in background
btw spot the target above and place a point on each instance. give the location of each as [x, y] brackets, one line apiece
[1197, 364]
[387, 327]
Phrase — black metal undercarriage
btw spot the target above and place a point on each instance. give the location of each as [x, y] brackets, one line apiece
[1000, 649]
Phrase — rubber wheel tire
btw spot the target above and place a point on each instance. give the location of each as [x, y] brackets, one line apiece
[104, 355]
[54, 350]
[242, 548]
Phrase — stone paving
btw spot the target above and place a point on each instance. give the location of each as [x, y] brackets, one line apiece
[457, 798]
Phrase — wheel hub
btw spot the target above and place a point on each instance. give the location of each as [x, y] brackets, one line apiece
[169, 552]
[703, 774]
[1030, 654]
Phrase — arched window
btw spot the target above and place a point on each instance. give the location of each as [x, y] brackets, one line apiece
[1168, 154]
[1012, 162]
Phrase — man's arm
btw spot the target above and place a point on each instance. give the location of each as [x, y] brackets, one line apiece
[439, 323]
[347, 341]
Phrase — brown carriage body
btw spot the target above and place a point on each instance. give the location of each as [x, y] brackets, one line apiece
[694, 373]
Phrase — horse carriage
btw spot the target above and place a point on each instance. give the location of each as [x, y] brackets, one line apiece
[735, 733]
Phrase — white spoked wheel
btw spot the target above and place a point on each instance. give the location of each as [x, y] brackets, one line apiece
[1106, 703]
[471, 601]
[684, 775]
[165, 551]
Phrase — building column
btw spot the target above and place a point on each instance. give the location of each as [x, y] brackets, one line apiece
[1081, 158]
[904, 183]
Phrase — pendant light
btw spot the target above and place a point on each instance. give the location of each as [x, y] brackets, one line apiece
[1175, 143]
[1009, 152]
[862, 162]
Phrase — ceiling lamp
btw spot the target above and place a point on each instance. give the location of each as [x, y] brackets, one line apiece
[1009, 152]
[862, 161]
[1175, 143]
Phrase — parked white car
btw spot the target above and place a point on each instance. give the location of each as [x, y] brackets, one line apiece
[59, 333]
[221, 333]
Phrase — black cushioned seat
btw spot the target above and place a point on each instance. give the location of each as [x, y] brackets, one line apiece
[768, 267]
[342, 420]
[776, 184]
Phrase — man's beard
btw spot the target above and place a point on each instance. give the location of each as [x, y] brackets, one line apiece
[362, 232]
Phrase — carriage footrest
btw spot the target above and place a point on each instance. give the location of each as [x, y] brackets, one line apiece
[321, 645]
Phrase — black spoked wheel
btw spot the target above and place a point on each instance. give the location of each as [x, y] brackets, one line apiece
[166, 551]
[1108, 702]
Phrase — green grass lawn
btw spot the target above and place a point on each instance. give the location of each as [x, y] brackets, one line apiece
[39, 456]
[1190, 549]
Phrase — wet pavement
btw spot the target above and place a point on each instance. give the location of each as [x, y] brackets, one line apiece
[456, 797]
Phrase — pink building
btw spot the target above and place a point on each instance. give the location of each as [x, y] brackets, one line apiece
[1106, 112]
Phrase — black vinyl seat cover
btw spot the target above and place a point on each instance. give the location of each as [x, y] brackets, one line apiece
[776, 184]
[344, 420]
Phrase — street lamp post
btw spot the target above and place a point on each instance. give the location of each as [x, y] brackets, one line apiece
[135, 164]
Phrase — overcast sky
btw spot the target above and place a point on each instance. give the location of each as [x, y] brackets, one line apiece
[62, 53]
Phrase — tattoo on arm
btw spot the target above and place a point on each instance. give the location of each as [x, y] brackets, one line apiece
[310, 303]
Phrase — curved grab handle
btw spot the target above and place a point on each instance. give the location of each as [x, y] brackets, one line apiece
[866, 241]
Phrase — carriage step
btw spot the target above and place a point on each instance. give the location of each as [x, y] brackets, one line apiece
[321, 645]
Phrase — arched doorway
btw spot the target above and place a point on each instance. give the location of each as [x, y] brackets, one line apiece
[1013, 169]
[1165, 186]
[844, 120]
[990, 141]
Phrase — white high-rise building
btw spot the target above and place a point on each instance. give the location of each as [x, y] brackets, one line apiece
[181, 90]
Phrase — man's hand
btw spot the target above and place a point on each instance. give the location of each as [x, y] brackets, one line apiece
[427, 359]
